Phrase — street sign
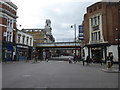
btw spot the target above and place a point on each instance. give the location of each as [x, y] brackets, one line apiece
[81, 31]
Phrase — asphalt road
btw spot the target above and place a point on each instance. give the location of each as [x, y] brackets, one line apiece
[57, 74]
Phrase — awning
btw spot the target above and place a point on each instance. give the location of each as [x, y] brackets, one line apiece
[9, 47]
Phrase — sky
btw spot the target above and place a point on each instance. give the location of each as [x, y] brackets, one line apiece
[62, 13]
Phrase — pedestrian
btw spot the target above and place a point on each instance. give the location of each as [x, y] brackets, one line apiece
[101, 61]
[93, 59]
[70, 60]
[47, 56]
[88, 60]
[75, 59]
[110, 58]
[83, 60]
[44, 55]
[35, 56]
[27, 59]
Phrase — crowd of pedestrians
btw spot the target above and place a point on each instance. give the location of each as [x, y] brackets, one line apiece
[35, 56]
[75, 59]
[89, 60]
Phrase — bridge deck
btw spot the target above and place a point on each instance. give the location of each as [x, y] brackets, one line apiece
[59, 45]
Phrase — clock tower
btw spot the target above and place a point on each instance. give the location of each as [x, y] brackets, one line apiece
[48, 26]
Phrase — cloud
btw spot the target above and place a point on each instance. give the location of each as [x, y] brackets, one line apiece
[62, 13]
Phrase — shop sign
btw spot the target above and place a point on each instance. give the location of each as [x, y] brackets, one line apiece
[96, 28]
[22, 46]
[96, 48]
[81, 31]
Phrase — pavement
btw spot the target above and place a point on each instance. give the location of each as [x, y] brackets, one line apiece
[0, 76]
[57, 74]
[111, 70]
[114, 69]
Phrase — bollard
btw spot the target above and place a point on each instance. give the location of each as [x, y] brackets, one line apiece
[109, 64]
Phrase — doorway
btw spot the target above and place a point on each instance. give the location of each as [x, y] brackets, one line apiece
[97, 55]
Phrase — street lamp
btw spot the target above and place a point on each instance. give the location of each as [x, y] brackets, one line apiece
[75, 37]
[118, 42]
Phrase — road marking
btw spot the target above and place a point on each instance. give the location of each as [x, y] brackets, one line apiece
[26, 75]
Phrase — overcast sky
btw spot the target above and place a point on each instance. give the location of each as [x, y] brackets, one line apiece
[62, 13]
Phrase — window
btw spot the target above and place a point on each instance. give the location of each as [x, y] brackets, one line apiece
[95, 35]
[99, 37]
[30, 41]
[98, 20]
[10, 23]
[91, 21]
[27, 40]
[7, 36]
[23, 39]
[10, 36]
[19, 38]
[95, 28]
[92, 36]
[95, 19]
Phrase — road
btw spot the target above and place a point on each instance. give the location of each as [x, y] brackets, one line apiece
[64, 58]
[57, 74]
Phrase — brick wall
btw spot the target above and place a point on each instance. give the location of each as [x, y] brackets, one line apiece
[109, 20]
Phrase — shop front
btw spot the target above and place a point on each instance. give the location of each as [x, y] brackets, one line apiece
[98, 52]
[8, 52]
[21, 52]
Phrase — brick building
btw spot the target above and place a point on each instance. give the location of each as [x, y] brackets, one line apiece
[8, 18]
[100, 24]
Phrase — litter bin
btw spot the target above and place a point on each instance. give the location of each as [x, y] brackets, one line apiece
[109, 64]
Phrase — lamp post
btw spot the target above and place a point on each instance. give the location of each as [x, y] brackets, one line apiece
[118, 42]
[75, 37]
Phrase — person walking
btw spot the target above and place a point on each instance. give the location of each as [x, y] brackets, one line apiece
[88, 60]
[83, 60]
[75, 59]
[44, 55]
[27, 59]
[110, 58]
[35, 56]
[47, 56]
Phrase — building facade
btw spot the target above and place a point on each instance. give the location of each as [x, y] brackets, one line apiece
[24, 46]
[8, 18]
[38, 34]
[100, 24]
[41, 35]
